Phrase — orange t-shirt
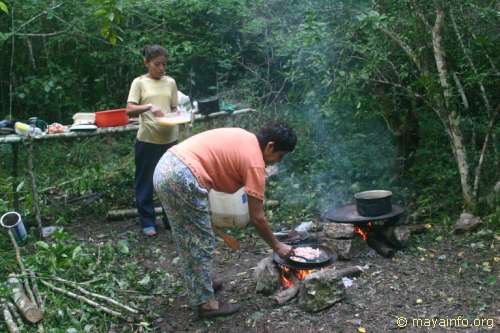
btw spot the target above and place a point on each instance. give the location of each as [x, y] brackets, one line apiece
[225, 159]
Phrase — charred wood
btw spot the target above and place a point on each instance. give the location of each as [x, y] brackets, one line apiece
[284, 296]
[396, 236]
[380, 247]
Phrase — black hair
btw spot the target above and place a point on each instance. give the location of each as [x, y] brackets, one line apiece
[150, 52]
[284, 137]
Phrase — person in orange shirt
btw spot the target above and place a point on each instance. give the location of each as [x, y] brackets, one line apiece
[223, 159]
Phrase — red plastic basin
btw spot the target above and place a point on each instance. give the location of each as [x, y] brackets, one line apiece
[110, 118]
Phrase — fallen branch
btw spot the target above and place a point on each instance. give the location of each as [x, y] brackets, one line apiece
[21, 265]
[284, 296]
[83, 299]
[99, 296]
[15, 314]
[9, 321]
[28, 309]
[36, 293]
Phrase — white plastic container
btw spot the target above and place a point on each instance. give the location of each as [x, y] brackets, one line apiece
[229, 210]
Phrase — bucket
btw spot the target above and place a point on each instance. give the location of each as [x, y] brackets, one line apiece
[13, 221]
[229, 210]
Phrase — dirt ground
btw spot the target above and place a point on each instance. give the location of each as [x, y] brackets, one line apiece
[440, 282]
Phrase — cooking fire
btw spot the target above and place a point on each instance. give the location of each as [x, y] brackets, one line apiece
[286, 278]
[363, 231]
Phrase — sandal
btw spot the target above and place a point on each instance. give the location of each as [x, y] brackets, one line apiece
[224, 309]
[149, 231]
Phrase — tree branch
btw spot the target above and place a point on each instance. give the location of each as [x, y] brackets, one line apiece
[489, 133]
[406, 48]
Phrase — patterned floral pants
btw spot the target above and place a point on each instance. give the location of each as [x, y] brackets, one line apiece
[186, 204]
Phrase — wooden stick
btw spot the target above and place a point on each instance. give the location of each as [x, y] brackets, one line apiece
[21, 265]
[34, 190]
[99, 296]
[9, 322]
[83, 299]
[229, 240]
[38, 298]
[28, 309]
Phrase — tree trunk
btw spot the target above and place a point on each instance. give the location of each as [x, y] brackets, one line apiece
[446, 112]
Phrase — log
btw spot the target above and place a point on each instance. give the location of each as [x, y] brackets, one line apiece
[117, 214]
[418, 228]
[396, 236]
[322, 289]
[126, 213]
[339, 230]
[267, 276]
[21, 265]
[380, 246]
[28, 309]
[467, 222]
[284, 296]
[9, 321]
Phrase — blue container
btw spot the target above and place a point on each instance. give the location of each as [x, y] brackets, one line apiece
[14, 222]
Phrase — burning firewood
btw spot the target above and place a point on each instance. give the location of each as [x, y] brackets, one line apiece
[284, 296]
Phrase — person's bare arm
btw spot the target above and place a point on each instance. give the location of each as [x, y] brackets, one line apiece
[258, 219]
[134, 110]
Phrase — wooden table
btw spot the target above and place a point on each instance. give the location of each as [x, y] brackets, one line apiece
[14, 140]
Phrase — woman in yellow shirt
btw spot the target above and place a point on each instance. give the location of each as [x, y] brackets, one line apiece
[151, 95]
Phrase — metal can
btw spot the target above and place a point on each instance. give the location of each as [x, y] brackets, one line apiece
[14, 222]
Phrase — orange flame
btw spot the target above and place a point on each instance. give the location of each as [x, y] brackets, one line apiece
[363, 232]
[286, 280]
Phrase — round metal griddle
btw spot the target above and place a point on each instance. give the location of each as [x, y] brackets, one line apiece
[327, 257]
[349, 214]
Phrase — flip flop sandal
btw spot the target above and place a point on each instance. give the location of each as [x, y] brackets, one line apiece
[224, 309]
[149, 231]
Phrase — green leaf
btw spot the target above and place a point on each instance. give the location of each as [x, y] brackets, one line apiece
[42, 245]
[100, 12]
[123, 246]
[491, 280]
[76, 252]
[145, 280]
[20, 186]
[3, 7]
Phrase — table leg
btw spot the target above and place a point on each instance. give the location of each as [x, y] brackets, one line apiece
[15, 153]
[34, 190]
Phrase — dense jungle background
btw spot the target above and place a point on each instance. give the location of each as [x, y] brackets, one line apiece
[401, 95]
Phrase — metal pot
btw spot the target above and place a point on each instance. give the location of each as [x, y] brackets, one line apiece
[208, 105]
[373, 203]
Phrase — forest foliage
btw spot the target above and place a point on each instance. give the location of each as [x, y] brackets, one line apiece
[401, 94]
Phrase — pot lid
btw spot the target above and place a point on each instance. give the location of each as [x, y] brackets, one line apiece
[349, 214]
